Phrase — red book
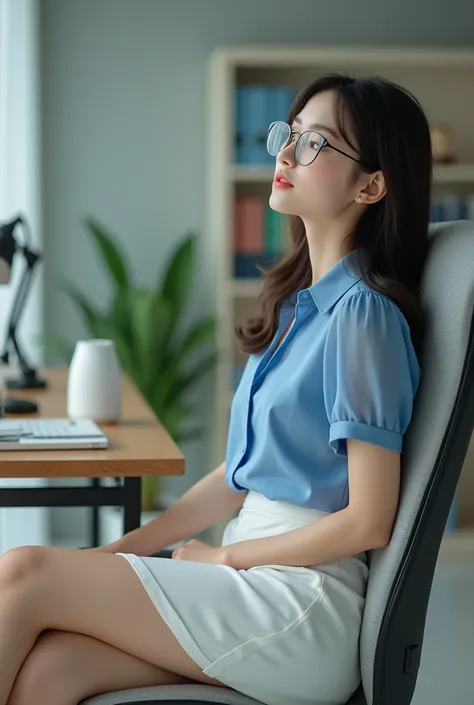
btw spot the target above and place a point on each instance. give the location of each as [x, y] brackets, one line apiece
[249, 224]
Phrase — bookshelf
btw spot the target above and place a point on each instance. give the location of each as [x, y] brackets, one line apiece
[441, 79]
[443, 174]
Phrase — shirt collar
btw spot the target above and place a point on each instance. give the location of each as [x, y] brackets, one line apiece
[335, 283]
[329, 289]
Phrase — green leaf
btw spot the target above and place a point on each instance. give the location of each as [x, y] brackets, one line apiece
[173, 417]
[195, 339]
[121, 316]
[151, 322]
[178, 275]
[126, 359]
[63, 349]
[187, 380]
[110, 253]
[92, 317]
[191, 434]
[200, 333]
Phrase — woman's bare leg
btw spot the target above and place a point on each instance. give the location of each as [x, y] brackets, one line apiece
[95, 594]
[64, 668]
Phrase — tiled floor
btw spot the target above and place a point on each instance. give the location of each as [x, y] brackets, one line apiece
[447, 669]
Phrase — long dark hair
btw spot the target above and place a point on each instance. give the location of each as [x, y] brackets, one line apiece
[392, 134]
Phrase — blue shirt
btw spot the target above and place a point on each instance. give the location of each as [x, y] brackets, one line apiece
[347, 369]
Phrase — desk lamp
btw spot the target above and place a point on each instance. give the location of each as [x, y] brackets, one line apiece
[9, 247]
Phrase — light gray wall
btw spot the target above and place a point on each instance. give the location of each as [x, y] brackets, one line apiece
[124, 116]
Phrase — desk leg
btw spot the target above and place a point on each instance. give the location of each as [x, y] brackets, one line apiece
[132, 504]
[94, 539]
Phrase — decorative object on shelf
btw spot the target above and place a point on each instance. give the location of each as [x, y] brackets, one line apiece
[164, 357]
[256, 106]
[94, 389]
[9, 247]
[442, 143]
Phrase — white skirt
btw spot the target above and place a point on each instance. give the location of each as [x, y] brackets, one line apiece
[279, 634]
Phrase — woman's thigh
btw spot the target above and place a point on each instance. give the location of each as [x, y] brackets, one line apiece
[64, 668]
[98, 595]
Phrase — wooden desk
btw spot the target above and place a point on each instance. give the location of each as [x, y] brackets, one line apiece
[139, 446]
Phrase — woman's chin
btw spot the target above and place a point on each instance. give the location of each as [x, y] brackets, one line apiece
[277, 203]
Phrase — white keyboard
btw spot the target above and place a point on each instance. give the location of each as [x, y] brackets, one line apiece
[50, 428]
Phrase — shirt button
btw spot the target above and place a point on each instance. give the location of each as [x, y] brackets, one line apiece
[304, 295]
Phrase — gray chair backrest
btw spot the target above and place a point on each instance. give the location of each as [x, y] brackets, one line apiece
[435, 447]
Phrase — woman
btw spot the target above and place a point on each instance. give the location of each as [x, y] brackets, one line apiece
[313, 460]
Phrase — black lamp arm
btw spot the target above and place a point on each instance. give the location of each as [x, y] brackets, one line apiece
[21, 295]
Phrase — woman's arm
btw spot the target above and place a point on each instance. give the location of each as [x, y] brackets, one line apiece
[366, 523]
[202, 506]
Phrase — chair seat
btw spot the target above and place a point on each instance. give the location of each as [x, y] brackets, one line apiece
[175, 695]
[187, 695]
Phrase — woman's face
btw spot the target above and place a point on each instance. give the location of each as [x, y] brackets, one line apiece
[328, 186]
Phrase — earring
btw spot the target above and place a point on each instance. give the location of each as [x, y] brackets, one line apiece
[359, 198]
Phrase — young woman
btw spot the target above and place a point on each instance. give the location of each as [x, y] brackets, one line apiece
[313, 460]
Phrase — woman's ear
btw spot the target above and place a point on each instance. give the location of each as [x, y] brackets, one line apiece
[373, 190]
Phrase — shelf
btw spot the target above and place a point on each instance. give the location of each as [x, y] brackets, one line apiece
[442, 174]
[453, 173]
[245, 288]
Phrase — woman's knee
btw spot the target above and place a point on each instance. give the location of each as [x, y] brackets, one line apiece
[20, 563]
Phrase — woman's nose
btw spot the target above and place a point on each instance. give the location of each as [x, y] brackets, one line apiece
[287, 155]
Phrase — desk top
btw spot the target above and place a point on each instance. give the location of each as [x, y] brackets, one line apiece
[138, 444]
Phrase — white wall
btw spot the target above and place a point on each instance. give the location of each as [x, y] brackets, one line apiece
[20, 192]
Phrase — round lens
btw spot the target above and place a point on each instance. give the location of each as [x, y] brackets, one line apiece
[278, 136]
[308, 147]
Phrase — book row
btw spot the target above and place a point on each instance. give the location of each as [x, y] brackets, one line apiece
[256, 107]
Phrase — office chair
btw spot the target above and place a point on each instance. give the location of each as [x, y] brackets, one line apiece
[435, 448]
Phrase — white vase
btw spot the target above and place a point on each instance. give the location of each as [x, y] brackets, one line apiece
[94, 382]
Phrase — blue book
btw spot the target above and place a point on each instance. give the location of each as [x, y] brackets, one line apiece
[463, 210]
[449, 207]
[251, 124]
[283, 101]
[239, 101]
[466, 211]
[436, 210]
[245, 104]
[279, 103]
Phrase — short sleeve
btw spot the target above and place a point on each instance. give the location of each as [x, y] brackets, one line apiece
[371, 373]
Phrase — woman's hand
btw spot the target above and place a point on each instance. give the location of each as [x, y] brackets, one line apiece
[199, 552]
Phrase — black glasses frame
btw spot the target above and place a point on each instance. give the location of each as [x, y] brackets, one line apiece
[324, 143]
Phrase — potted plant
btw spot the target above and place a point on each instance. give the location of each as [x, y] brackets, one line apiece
[162, 356]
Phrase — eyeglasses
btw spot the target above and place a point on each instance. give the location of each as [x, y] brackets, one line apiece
[307, 146]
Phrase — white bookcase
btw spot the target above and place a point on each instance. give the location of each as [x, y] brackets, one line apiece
[442, 80]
